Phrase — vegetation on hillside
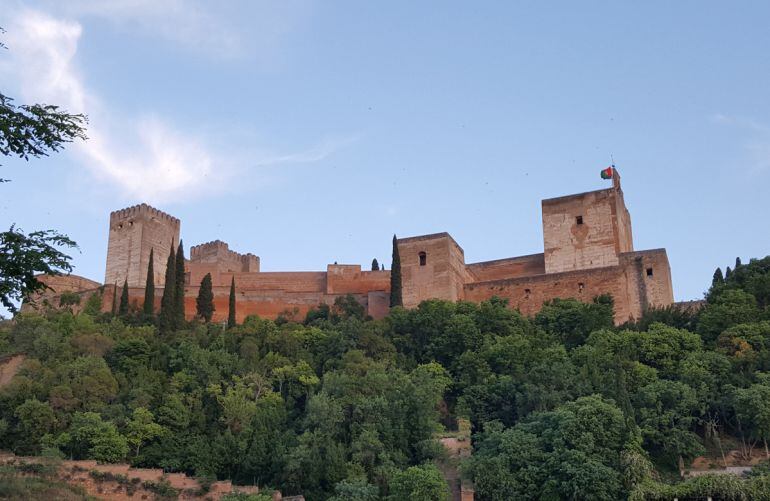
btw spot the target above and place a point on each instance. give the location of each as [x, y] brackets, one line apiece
[563, 405]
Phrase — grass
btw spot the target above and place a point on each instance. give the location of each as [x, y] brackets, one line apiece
[16, 484]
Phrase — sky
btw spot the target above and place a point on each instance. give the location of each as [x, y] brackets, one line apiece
[310, 132]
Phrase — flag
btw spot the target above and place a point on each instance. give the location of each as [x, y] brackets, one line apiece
[607, 173]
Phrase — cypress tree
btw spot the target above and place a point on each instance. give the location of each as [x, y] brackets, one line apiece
[382, 267]
[149, 288]
[205, 301]
[728, 272]
[231, 306]
[114, 309]
[179, 290]
[375, 265]
[123, 310]
[718, 278]
[737, 262]
[169, 288]
[395, 277]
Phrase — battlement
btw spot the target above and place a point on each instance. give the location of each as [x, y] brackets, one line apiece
[219, 248]
[142, 210]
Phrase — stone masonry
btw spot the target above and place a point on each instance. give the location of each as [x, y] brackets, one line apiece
[587, 243]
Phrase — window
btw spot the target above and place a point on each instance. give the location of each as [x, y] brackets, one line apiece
[526, 293]
[649, 272]
[579, 220]
[581, 286]
[423, 258]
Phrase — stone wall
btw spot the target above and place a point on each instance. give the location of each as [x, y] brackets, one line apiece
[432, 266]
[585, 231]
[134, 232]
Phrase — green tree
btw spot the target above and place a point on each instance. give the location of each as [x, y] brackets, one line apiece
[123, 308]
[730, 307]
[355, 490]
[179, 315]
[149, 288]
[752, 408]
[718, 278]
[91, 437]
[231, 305]
[142, 428]
[35, 419]
[168, 301]
[375, 265]
[205, 300]
[24, 257]
[419, 483]
[572, 321]
[396, 298]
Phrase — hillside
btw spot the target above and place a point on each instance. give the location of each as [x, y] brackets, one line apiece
[561, 405]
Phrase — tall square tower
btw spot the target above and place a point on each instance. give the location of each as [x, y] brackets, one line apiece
[587, 230]
[134, 232]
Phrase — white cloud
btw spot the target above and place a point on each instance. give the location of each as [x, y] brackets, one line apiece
[146, 157]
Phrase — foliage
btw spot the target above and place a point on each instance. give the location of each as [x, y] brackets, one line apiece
[167, 318]
[564, 405]
[23, 257]
[205, 301]
[231, 305]
[149, 288]
[396, 298]
[179, 276]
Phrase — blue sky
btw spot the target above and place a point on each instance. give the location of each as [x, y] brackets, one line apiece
[310, 132]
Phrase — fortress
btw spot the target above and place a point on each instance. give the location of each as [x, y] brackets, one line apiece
[587, 251]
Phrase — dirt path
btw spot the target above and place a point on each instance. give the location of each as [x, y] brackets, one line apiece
[9, 368]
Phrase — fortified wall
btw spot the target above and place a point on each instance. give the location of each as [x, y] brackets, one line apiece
[587, 251]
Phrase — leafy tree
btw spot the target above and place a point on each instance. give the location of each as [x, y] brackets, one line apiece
[149, 288]
[123, 308]
[728, 308]
[573, 320]
[90, 437]
[375, 265]
[142, 428]
[231, 305]
[205, 301]
[179, 276]
[355, 490]
[395, 277]
[168, 301]
[35, 419]
[752, 408]
[24, 257]
[93, 305]
[419, 483]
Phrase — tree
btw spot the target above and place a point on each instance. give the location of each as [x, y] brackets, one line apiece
[168, 300]
[375, 265]
[33, 131]
[737, 262]
[396, 298]
[123, 309]
[22, 257]
[179, 290]
[419, 483]
[231, 306]
[205, 301]
[728, 273]
[142, 428]
[718, 277]
[149, 288]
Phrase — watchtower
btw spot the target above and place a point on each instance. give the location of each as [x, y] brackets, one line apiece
[587, 230]
[134, 232]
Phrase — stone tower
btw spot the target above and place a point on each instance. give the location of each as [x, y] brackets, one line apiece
[133, 233]
[585, 231]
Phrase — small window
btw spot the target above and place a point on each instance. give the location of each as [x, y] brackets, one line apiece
[649, 272]
[423, 258]
[579, 220]
[581, 286]
[527, 292]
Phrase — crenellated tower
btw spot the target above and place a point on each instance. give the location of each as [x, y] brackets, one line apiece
[134, 231]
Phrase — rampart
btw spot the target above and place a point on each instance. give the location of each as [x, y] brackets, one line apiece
[587, 251]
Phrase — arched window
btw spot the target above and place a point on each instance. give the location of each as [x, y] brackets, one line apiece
[423, 258]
